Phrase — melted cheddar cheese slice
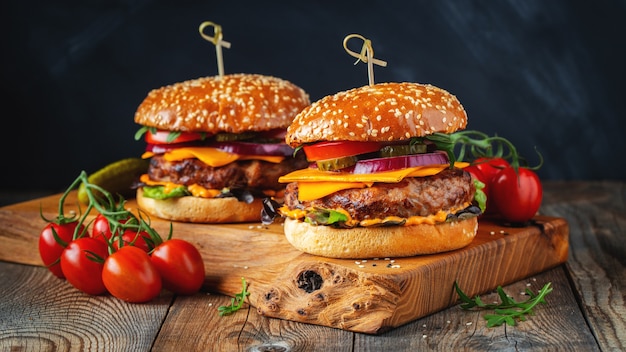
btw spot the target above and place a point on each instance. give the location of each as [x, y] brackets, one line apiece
[314, 184]
[212, 156]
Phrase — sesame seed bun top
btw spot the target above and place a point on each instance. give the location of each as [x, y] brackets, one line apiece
[233, 103]
[381, 112]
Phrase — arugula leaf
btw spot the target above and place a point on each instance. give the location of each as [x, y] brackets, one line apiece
[508, 310]
[235, 303]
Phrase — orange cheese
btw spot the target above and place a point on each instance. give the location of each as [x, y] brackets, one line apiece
[314, 184]
[317, 190]
[199, 191]
[276, 159]
[212, 156]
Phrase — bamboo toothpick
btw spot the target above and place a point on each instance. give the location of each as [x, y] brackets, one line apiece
[217, 41]
[366, 55]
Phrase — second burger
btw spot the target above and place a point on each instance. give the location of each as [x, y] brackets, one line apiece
[216, 146]
[381, 183]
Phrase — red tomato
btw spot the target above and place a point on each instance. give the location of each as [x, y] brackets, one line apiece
[101, 229]
[50, 250]
[338, 149]
[489, 167]
[180, 265]
[129, 275]
[161, 137]
[130, 237]
[516, 196]
[478, 175]
[82, 262]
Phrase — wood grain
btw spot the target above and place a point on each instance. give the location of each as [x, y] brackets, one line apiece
[583, 313]
[596, 212]
[364, 296]
[57, 317]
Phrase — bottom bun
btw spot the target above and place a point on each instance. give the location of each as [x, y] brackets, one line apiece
[201, 210]
[380, 242]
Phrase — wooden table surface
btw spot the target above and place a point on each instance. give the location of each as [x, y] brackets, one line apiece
[584, 312]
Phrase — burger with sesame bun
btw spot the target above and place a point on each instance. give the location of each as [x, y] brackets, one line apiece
[382, 180]
[217, 147]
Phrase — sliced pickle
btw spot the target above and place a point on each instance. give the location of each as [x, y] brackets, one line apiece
[229, 137]
[403, 149]
[336, 164]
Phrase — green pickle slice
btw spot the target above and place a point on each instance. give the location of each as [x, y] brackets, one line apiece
[403, 149]
[336, 164]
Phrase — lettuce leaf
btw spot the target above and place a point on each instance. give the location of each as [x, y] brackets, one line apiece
[325, 217]
[157, 192]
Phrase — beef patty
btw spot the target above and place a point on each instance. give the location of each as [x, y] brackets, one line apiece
[413, 196]
[241, 174]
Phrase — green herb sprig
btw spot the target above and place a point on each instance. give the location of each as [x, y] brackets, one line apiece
[237, 302]
[472, 145]
[508, 310]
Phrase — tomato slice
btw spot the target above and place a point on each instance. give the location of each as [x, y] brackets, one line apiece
[338, 149]
[167, 137]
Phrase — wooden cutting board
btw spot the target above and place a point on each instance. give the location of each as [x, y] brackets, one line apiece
[368, 296]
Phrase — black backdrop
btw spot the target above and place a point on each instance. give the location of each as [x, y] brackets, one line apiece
[544, 74]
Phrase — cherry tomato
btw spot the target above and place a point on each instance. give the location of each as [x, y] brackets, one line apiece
[131, 237]
[101, 229]
[180, 265]
[50, 250]
[478, 175]
[489, 167]
[129, 275]
[516, 196]
[338, 149]
[161, 137]
[82, 261]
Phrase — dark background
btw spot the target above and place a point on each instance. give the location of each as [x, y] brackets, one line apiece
[544, 74]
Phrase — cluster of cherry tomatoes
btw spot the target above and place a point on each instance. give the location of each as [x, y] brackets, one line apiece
[119, 253]
[514, 193]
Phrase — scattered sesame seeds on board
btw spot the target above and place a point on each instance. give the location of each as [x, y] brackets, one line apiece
[388, 263]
